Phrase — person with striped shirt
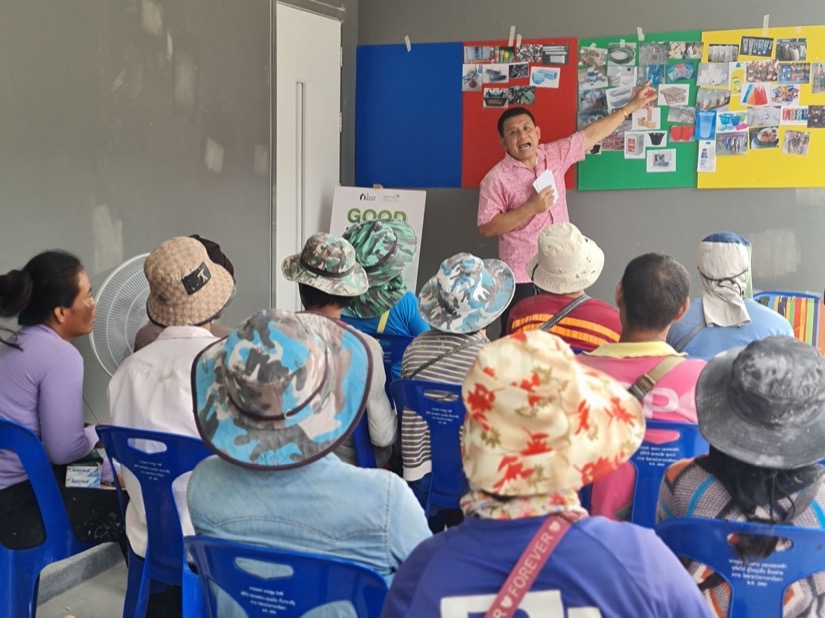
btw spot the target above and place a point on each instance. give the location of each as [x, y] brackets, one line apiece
[459, 302]
[567, 263]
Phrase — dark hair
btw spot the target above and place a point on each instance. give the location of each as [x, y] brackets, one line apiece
[512, 113]
[47, 281]
[313, 298]
[215, 253]
[654, 288]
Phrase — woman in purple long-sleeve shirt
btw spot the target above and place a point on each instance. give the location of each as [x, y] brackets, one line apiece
[41, 387]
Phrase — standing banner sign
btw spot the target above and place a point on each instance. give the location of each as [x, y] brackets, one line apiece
[352, 205]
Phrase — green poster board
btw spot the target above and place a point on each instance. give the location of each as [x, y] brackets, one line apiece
[674, 69]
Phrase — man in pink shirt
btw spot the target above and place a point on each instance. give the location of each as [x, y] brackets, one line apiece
[508, 205]
[653, 293]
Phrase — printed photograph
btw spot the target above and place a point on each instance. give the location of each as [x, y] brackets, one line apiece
[792, 49]
[765, 137]
[596, 149]
[707, 157]
[634, 145]
[737, 76]
[756, 94]
[762, 71]
[785, 95]
[689, 50]
[683, 115]
[496, 97]
[621, 76]
[528, 53]
[661, 160]
[733, 121]
[496, 74]
[796, 142]
[716, 74]
[615, 141]
[519, 71]
[593, 56]
[728, 52]
[555, 54]
[505, 55]
[592, 78]
[653, 73]
[681, 72]
[656, 139]
[471, 77]
[764, 116]
[732, 143]
[619, 97]
[794, 73]
[593, 101]
[817, 77]
[545, 77]
[622, 54]
[674, 94]
[478, 53]
[653, 53]
[756, 46]
[521, 95]
[816, 116]
[794, 116]
[710, 98]
[647, 119]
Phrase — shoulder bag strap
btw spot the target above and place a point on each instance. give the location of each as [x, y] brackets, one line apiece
[641, 387]
[682, 343]
[382, 323]
[443, 355]
[529, 565]
[564, 312]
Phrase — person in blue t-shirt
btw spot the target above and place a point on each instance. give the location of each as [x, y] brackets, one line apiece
[384, 248]
[724, 317]
[538, 427]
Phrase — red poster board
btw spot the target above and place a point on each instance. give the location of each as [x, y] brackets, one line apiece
[553, 108]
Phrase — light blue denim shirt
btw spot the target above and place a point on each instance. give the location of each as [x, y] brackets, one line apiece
[326, 507]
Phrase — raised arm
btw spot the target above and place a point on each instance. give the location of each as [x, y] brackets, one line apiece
[597, 131]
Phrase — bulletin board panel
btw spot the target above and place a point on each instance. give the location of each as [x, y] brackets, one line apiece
[610, 169]
[552, 100]
[408, 116]
[771, 165]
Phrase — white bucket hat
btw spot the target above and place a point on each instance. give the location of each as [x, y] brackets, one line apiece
[567, 261]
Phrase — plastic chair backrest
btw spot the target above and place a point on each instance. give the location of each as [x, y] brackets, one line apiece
[364, 453]
[652, 459]
[393, 347]
[441, 406]
[20, 568]
[758, 587]
[293, 584]
[165, 559]
[802, 310]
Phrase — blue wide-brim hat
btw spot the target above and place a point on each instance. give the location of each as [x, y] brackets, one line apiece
[275, 394]
[466, 294]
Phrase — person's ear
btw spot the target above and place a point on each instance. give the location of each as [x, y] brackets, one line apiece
[682, 310]
[503, 142]
[538, 133]
[619, 295]
[59, 314]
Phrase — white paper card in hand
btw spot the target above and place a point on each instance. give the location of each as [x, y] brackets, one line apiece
[545, 180]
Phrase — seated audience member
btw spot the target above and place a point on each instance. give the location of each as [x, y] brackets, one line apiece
[539, 426]
[567, 263]
[652, 294]
[274, 400]
[762, 409]
[459, 302]
[41, 388]
[723, 318]
[328, 278]
[384, 248]
[152, 388]
[148, 333]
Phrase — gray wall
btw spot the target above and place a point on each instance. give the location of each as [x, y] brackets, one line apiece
[783, 225]
[98, 158]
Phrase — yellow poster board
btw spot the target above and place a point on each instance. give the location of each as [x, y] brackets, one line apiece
[772, 158]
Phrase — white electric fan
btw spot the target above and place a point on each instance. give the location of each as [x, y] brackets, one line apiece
[121, 312]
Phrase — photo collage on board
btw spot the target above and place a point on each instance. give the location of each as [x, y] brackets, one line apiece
[611, 74]
[761, 78]
[512, 74]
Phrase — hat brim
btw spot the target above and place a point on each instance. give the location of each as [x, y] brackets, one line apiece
[326, 420]
[591, 264]
[406, 244]
[441, 318]
[367, 307]
[354, 283]
[782, 447]
[200, 308]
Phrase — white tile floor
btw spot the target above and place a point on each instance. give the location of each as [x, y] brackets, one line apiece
[99, 597]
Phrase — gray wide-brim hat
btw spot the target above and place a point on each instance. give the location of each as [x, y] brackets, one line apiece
[764, 404]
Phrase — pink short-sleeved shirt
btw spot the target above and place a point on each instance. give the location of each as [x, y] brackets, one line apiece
[510, 184]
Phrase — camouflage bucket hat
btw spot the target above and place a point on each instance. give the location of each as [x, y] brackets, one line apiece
[378, 299]
[383, 247]
[277, 394]
[466, 294]
[327, 263]
[186, 288]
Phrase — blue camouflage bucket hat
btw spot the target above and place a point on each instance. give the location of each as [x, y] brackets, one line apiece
[274, 394]
[466, 294]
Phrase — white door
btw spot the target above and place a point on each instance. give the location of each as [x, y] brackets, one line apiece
[308, 134]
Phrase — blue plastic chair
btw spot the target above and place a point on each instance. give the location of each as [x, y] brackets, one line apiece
[293, 584]
[20, 568]
[393, 347]
[651, 460]
[758, 587]
[444, 418]
[364, 453]
[165, 561]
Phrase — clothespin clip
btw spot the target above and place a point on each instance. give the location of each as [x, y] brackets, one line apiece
[640, 34]
[765, 21]
[407, 43]
[518, 40]
[512, 36]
